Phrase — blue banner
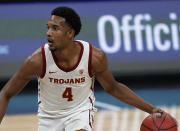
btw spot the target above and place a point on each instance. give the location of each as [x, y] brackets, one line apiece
[136, 33]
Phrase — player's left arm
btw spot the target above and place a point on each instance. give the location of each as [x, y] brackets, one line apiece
[114, 88]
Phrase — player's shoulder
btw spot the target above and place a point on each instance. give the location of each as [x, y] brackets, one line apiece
[36, 56]
[98, 53]
[99, 60]
[35, 59]
[32, 65]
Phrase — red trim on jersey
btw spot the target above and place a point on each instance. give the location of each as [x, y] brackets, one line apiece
[92, 118]
[90, 61]
[44, 62]
[91, 101]
[90, 124]
[68, 70]
[39, 102]
[92, 89]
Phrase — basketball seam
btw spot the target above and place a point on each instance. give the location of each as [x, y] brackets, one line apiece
[147, 127]
[169, 128]
[162, 122]
[154, 122]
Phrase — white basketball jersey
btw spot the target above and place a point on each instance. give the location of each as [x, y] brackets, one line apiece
[63, 92]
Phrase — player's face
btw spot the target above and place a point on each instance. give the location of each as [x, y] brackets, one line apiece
[57, 33]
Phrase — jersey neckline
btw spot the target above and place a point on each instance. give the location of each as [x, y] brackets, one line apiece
[75, 66]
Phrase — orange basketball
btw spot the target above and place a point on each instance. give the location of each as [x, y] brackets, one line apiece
[159, 122]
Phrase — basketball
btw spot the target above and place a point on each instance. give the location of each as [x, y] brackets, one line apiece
[158, 122]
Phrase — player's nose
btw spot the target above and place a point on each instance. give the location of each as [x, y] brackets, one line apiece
[49, 33]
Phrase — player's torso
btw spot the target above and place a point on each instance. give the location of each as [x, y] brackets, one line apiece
[66, 90]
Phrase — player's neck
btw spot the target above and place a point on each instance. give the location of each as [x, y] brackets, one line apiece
[66, 54]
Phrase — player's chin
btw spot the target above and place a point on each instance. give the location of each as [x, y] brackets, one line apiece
[52, 48]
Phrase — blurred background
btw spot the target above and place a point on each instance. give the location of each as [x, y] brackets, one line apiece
[141, 39]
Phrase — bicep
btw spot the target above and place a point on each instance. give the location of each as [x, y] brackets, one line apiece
[101, 71]
[106, 80]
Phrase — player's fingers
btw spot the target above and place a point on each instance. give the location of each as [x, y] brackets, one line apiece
[158, 110]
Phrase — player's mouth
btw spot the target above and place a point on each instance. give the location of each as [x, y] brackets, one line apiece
[50, 41]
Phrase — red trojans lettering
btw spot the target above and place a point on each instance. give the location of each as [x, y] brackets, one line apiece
[67, 81]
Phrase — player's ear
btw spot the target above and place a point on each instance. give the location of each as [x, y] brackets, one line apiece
[71, 33]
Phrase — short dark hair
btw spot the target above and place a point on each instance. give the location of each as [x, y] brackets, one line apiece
[72, 18]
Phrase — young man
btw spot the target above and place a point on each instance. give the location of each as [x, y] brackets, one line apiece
[66, 70]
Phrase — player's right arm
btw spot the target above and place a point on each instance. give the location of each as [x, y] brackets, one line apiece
[32, 66]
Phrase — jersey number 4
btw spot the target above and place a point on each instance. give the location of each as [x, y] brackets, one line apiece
[68, 94]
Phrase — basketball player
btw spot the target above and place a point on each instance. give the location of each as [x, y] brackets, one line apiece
[66, 69]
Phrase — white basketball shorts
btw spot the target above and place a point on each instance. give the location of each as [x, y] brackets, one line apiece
[82, 120]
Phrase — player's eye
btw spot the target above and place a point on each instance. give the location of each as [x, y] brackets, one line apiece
[55, 28]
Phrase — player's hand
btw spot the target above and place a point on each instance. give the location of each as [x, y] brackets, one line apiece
[158, 110]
